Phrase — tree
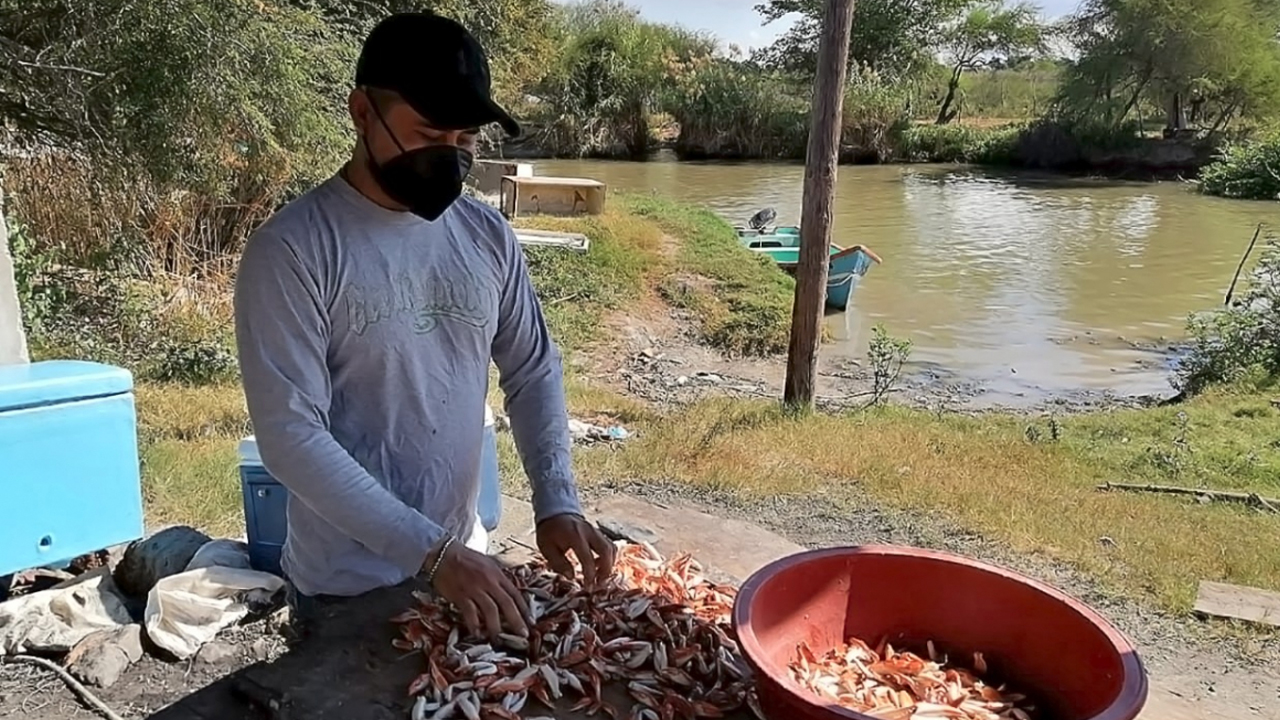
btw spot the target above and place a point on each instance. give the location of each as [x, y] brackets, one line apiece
[611, 70]
[515, 33]
[1220, 55]
[892, 38]
[820, 169]
[181, 123]
[989, 31]
[191, 91]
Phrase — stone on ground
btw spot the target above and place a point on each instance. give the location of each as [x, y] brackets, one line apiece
[217, 653]
[101, 658]
[53, 621]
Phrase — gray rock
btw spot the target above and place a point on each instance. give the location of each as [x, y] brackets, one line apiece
[217, 653]
[619, 530]
[101, 658]
[262, 649]
[153, 558]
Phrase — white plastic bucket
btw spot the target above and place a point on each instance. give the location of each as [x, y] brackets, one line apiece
[489, 505]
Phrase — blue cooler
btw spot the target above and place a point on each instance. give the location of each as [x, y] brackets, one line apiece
[70, 481]
[265, 509]
[266, 500]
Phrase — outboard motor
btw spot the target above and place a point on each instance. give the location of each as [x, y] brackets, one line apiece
[762, 219]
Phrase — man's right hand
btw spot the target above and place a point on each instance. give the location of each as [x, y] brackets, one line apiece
[481, 591]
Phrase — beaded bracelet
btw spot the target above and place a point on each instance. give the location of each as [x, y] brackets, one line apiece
[435, 566]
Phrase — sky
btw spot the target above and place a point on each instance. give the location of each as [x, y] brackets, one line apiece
[736, 21]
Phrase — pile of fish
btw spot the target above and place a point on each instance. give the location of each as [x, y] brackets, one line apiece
[658, 628]
[892, 685]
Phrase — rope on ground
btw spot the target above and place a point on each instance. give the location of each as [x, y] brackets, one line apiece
[89, 698]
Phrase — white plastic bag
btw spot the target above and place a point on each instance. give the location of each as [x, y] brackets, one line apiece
[187, 610]
[479, 540]
[54, 620]
[221, 553]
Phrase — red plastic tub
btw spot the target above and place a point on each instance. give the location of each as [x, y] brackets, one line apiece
[1068, 659]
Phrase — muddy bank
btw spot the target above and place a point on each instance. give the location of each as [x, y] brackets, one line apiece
[655, 356]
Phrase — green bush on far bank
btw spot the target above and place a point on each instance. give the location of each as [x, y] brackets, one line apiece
[960, 144]
[1246, 170]
[726, 113]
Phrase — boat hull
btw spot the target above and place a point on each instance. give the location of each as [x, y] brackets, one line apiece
[845, 275]
[847, 266]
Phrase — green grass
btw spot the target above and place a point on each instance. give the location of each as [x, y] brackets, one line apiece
[994, 474]
[960, 143]
[743, 302]
[1004, 476]
[689, 255]
[578, 289]
[188, 446]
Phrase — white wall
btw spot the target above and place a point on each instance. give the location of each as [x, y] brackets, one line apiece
[13, 342]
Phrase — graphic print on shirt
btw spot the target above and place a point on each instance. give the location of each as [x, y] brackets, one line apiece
[428, 303]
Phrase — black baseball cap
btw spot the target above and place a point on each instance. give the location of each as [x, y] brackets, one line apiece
[437, 66]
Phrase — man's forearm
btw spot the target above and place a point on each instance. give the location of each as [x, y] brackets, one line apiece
[320, 473]
[532, 378]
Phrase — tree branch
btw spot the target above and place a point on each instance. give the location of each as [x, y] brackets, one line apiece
[62, 68]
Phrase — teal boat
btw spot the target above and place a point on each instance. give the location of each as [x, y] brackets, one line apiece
[782, 245]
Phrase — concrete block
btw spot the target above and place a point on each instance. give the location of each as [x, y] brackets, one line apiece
[487, 175]
[13, 340]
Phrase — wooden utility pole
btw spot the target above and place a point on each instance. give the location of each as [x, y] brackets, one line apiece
[819, 196]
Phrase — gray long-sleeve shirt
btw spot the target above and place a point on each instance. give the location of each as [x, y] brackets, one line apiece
[365, 337]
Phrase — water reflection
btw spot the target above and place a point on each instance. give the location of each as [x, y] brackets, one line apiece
[1019, 281]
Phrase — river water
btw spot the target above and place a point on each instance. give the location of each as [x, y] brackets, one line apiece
[1023, 285]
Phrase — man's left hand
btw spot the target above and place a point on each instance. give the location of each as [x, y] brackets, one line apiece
[559, 534]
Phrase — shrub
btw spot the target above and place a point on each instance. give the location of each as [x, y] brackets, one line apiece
[960, 143]
[874, 117]
[214, 112]
[728, 109]
[1240, 341]
[607, 79]
[1246, 170]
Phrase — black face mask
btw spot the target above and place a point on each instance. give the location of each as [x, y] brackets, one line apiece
[427, 180]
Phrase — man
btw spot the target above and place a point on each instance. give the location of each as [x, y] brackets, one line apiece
[366, 315]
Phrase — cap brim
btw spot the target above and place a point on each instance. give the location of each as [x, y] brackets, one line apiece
[504, 120]
[481, 112]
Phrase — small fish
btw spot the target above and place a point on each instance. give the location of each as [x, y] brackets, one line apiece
[657, 624]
